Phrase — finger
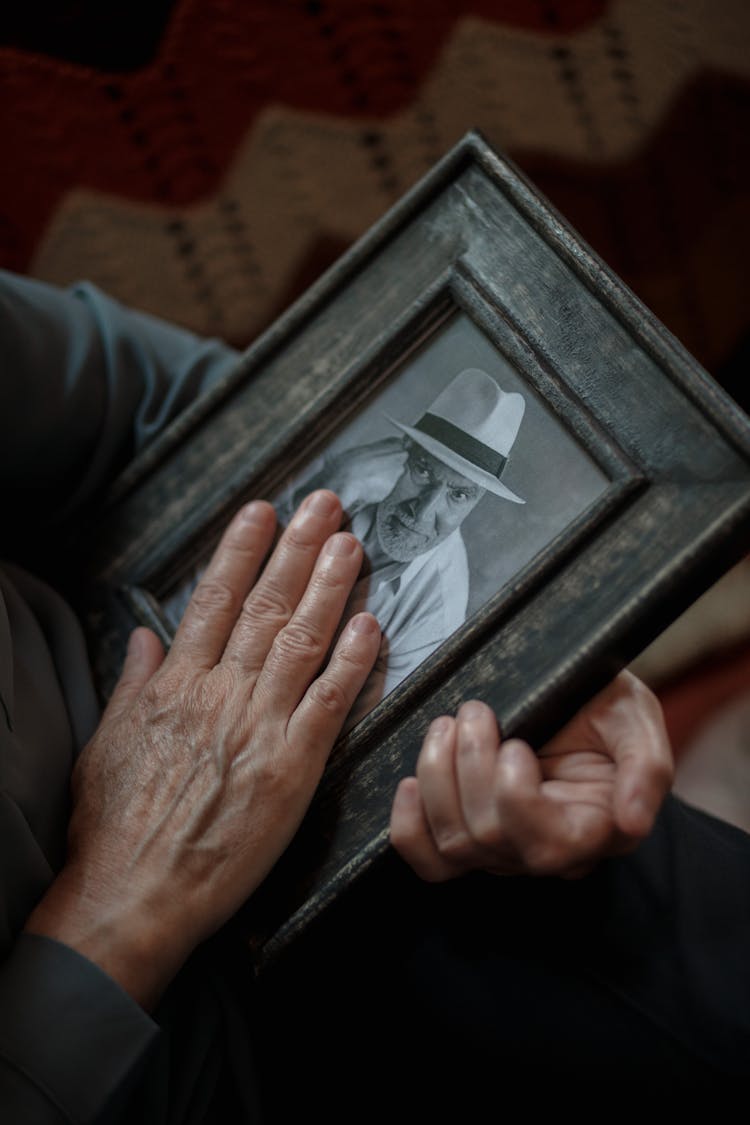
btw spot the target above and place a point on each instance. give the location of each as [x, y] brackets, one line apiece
[299, 649]
[317, 721]
[548, 836]
[643, 755]
[217, 600]
[275, 597]
[438, 786]
[411, 837]
[477, 748]
[144, 655]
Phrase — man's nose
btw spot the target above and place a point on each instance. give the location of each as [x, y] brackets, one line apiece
[427, 505]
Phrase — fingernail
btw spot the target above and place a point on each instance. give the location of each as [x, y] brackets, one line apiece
[321, 503]
[255, 513]
[364, 624]
[341, 545]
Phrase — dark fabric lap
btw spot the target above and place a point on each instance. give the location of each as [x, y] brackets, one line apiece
[635, 979]
[441, 1000]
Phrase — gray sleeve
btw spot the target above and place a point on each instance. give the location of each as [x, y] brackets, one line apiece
[71, 1040]
[86, 383]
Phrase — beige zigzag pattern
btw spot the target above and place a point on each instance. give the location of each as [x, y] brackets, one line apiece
[298, 177]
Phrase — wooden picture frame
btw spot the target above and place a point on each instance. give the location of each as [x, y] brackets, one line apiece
[472, 249]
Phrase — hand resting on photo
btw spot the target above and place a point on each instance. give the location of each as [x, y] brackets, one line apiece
[206, 760]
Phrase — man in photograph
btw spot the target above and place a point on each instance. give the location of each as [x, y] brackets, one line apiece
[407, 499]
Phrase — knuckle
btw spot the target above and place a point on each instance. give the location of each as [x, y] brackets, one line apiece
[350, 660]
[543, 859]
[406, 839]
[468, 747]
[159, 696]
[456, 846]
[269, 776]
[663, 773]
[151, 695]
[267, 603]
[488, 834]
[241, 543]
[641, 694]
[213, 596]
[299, 536]
[431, 869]
[403, 836]
[329, 696]
[327, 577]
[299, 640]
[223, 685]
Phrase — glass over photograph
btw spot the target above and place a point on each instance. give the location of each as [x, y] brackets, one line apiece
[454, 477]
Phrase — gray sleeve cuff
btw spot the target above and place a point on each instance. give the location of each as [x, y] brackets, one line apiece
[71, 1040]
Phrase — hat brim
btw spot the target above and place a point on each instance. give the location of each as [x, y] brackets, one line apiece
[467, 468]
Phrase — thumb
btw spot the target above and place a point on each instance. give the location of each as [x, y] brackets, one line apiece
[145, 654]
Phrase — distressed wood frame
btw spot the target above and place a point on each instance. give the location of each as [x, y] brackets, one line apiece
[474, 236]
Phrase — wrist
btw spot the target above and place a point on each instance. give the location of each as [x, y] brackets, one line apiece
[124, 939]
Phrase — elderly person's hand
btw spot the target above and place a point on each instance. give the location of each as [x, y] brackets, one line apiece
[478, 803]
[206, 760]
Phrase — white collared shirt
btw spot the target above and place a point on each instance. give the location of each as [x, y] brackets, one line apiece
[417, 609]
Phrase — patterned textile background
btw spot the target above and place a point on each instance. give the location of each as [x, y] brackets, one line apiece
[207, 160]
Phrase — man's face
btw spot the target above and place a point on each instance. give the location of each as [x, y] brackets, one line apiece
[428, 501]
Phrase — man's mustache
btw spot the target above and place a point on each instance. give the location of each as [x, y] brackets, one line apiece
[404, 516]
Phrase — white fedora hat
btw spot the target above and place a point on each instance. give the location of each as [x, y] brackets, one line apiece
[471, 426]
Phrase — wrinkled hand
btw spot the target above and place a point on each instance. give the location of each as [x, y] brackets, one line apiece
[481, 804]
[206, 760]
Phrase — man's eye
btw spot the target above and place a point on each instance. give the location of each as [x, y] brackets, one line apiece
[460, 495]
[419, 469]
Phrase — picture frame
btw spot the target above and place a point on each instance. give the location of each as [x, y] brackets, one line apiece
[634, 464]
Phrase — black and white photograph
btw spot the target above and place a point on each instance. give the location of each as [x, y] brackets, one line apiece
[454, 477]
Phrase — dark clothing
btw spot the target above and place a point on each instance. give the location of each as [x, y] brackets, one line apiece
[84, 385]
[465, 991]
[632, 981]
